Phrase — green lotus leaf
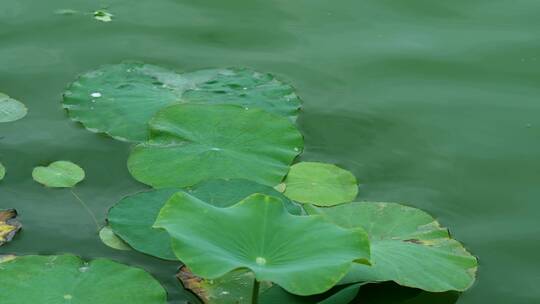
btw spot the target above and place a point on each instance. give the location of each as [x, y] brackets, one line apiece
[107, 236]
[120, 99]
[9, 225]
[2, 171]
[320, 184]
[132, 217]
[191, 143]
[68, 279]
[59, 174]
[103, 16]
[234, 287]
[408, 246]
[11, 109]
[299, 253]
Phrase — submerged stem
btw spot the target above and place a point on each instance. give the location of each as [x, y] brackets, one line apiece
[255, 295]
[86, 208]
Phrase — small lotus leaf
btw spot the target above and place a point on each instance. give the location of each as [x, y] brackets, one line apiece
[132, 217]
[298, 253]
[59, 174]
[408, 246]
[320, 184]
[9, 226]
[110, 239]
[103, 16]
[120, 99]
[235, 287]
[191, 143]
[68, 279]
[2, 171]
[11, 109]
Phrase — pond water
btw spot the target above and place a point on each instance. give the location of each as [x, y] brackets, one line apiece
[431, 103]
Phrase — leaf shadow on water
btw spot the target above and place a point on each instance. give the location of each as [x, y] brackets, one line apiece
[392, 293]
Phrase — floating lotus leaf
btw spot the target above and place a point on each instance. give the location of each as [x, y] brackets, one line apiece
[103, 16]
[11, 109]
[191, 143]
[120, 99]
[9, 226]
[60, 174]
[132, 217]
[2, 171]
[110, 239]
[408, 246]
[68, 279]
[234, 287]
[320, 184]
[299, 253]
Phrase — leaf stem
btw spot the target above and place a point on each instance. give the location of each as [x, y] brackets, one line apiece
[255, 295]
[86, 208]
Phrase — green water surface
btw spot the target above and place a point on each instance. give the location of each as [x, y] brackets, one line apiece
[432, 103]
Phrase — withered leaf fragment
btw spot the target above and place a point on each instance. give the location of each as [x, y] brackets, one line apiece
[9, 225]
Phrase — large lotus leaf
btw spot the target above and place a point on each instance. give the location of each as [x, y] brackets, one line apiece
[191, 143]
[2, 171]
[120, 99]
[408, 246]
[320, 184]
[11, 109]
[9, 226]
[59, 174]
[235, 287]
[67, 279]
[303, 254]
[132, 217]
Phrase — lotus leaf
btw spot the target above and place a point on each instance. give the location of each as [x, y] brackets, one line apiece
[320, 184]
[11, 109]
[68, 279]
[191, 143]
[110, 239]
[132, 217]
[2, 171]
[9, 226]
[59, 174]
[299, 253]
[120, 99]
[408, 246]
